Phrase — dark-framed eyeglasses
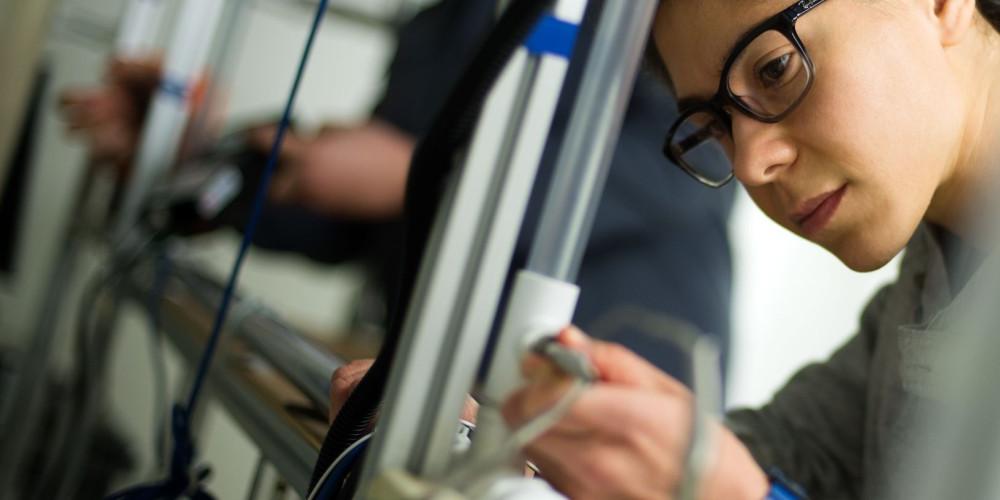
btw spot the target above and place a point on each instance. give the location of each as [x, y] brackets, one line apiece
[765, 77]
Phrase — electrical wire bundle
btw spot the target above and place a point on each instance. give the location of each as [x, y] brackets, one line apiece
[60, 474]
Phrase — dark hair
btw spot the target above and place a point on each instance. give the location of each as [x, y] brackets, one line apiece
[990, 9]
[653, 63]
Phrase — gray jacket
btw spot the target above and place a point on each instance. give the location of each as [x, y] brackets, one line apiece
[837, 427]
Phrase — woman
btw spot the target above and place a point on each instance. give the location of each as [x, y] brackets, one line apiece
[863, 126]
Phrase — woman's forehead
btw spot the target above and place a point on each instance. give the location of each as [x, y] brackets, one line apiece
[695, 36]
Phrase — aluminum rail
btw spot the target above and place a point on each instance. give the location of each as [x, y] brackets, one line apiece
[287, 439]
[461, 277]
[544, 297]
[304, 363]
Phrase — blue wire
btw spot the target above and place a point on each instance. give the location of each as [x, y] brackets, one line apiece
[251, 227]
[331, 485]
[179, 482]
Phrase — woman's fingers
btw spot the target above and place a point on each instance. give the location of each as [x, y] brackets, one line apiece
[615, 442]
[616, 364]
[625, 437]
[344, 381]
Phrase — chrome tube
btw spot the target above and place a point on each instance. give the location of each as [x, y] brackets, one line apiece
[286, 438]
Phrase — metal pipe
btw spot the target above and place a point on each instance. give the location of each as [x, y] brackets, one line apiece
[543, 298]
[462, 275]
[22, 408]
[168, 112]
[584, 161]
[137, 28]
[304, 364]
[285, 440]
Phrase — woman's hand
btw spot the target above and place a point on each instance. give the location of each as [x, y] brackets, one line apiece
[627, 436]
[346, 378]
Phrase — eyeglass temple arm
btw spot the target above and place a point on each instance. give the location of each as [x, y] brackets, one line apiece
[799, 9]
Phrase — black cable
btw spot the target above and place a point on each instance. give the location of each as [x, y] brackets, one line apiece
[66, 429]
[91, 339]
[161, 393]
[432, 163]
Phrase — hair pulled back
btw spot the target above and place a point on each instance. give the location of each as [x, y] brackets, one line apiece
[990, 9]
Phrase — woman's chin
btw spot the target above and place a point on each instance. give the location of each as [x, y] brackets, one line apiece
[863, 258]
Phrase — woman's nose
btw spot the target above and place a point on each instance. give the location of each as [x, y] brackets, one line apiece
[761, 151]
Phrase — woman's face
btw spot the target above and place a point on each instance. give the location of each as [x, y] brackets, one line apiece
[856, 165]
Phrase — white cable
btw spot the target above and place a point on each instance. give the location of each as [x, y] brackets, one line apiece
[524, 434]
[706, 382]
[322, 479]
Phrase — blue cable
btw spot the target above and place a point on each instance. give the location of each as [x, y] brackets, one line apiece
[179, 481]
[251, 227]
[330, 485]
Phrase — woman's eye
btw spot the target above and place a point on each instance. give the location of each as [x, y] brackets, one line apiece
[771, 73]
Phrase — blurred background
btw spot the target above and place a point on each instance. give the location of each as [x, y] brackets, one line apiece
[791, 301]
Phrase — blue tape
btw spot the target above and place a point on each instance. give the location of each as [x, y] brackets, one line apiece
[782, 488]
[174, 88]
[553, 36]
[779, 492]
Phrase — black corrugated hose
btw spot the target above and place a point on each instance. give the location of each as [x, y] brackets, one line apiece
[431, 166]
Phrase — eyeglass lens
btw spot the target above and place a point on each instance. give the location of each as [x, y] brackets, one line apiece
[768, 77]
[701, 143]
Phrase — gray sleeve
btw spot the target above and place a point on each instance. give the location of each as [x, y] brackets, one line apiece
[813, 429]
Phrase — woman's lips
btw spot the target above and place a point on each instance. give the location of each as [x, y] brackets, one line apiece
[814, 214]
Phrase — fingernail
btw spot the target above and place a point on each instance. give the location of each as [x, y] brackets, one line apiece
[571, 336]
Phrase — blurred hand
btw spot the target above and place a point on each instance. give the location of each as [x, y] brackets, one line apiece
[287, 179]
[358, 172]
[109, 117]
[628, 435]
[346, 379]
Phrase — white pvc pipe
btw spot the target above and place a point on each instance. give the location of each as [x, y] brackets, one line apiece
[539, 306]
[169, 111]
[138, 28]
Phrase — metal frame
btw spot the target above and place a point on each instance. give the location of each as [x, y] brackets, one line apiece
[168, 113]
[462, 277]
[188, 304]
[544, 298]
